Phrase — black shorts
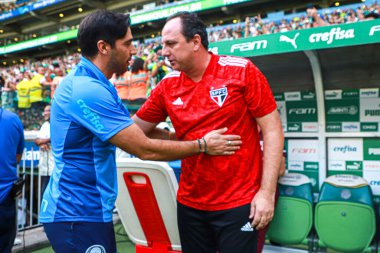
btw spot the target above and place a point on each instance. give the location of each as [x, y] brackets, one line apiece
[226, 231]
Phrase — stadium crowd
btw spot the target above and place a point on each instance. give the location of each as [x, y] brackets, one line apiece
[27, 87]
[6, 6]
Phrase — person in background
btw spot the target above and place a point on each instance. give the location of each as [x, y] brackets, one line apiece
[222, 200]
[159, 70]
[121, 84]
[88, 120]
[46, 163]
[138, 82]
[59, 75]
[315, 18]
[11, 148]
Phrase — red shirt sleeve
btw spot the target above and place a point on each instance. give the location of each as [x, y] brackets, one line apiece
[257, 92]
[153, 110]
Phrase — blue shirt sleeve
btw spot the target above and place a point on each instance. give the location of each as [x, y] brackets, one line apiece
[97, 107]
[20, 130]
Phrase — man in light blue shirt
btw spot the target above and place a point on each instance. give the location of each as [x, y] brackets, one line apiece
[87, 121]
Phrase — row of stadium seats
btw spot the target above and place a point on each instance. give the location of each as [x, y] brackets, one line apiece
[343, 218]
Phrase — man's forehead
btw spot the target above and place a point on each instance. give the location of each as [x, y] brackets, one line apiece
[129, 34]
[171, 31]
[172, 26]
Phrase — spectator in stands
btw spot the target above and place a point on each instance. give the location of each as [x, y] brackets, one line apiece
[138, 82]
[23, 90]
[160, 69]
[46, 162]
[365, 13]
[59, 75]
[8, 92]
[87, 121]
[222, 201]
[35, 92]
[2, 84]
[11, 148]
[315, 19]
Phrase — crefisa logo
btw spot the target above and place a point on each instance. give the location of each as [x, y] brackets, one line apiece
[345, 149]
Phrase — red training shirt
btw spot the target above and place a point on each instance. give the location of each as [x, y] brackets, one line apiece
[231, 94]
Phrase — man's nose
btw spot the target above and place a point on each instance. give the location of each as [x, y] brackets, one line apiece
[165, 51]
[133, 50]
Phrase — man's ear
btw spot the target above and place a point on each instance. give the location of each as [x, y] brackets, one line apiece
[197, 42]
[103, 47]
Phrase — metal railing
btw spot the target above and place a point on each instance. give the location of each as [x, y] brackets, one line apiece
[28, 204]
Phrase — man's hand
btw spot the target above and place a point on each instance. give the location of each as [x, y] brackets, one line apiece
[44, 147]
[219, 144]
[312, 12]
[262, 209]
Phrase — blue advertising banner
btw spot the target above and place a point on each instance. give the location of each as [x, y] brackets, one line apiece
[31, 154]
[25, 9]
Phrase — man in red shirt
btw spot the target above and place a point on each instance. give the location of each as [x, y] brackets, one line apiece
[222, 201]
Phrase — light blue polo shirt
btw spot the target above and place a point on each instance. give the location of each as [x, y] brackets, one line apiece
[86, 112]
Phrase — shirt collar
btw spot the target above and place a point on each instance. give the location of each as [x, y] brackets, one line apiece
[95, 71]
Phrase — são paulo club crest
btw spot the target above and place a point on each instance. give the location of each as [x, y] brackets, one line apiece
[219, 95]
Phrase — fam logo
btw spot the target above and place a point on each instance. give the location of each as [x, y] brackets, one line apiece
[249, 46]
[96, 249]
[336, 127]
[284, 38]
[351, 110]
[303, 111]
[219, 95]
[292, 96]
[374, 29]
[304, 150]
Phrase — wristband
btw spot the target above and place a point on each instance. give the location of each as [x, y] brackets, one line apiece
[205, 150]
[200, 145]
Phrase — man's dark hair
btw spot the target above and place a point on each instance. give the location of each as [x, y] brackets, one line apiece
[191, 25]
[101, 25]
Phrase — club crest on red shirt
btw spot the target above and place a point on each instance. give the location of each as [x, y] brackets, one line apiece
[219, 95]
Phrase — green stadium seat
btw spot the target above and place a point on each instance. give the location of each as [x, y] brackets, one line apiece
[293, 216]
[344, 215]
